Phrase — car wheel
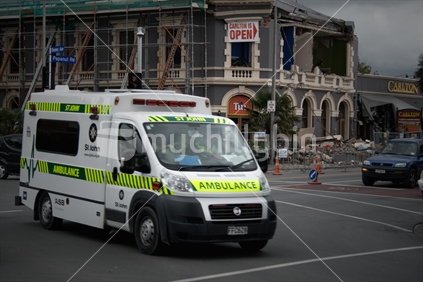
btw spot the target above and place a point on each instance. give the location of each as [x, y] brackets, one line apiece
[45, 213]
[147, 232]
[411, 180]
[253, 245]
[4, 172]
[367, 180]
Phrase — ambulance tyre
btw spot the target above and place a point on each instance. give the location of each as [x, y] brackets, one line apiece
[45, 213]
[253, 246]
[147, 232]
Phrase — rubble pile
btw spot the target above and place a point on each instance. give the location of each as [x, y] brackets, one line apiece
[349, 152]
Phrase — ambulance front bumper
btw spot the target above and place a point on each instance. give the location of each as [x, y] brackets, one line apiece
[200, 220]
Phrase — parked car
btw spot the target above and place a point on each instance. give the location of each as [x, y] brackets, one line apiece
[421, 182]
[10, 155]
[399, 161]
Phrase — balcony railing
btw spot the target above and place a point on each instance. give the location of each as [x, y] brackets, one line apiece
[305, 79]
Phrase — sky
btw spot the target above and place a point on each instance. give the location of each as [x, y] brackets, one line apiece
[390, 32]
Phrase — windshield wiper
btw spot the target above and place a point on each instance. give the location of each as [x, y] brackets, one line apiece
[241, 163]
[195, 167]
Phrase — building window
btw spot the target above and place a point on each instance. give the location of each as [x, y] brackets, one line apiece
[14, 60]
[176, 63]
[88, 59]
[241, 54]
[126, 45]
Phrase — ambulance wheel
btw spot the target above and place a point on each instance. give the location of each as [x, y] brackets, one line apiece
[147, 232]
[45, 213]
[253, 245]
[4, 172]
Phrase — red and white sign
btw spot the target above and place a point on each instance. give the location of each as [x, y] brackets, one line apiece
[243, 31]
[238, 105]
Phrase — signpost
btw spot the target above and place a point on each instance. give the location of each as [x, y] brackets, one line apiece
[313, 176]
[56, 59]
[271, 106]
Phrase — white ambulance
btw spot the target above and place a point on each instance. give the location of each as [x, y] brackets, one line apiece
[157, 164]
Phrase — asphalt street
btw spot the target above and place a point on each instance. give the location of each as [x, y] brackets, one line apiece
[334, 231]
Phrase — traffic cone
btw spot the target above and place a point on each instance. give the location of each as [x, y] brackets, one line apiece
[319, 165]
[277, 169]
[314, 165]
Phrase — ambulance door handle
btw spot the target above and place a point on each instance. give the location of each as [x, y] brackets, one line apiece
[115, 174]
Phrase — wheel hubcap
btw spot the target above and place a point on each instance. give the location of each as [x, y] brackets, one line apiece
[413, 179]
[2, 171]
[147, 232]
[46, 210]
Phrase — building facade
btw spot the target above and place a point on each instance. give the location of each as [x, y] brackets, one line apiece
[223, 50]
[389, 106]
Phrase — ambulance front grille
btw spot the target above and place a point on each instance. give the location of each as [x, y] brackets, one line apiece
[229, 211]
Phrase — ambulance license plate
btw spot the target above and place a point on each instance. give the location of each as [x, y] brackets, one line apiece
[237, 230]
[379, 170]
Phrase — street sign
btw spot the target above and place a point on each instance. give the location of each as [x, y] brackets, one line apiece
[243, 31]
[57, 49]
[312, 175]
[271, 106]
[259, 135]
[283, 153]
[63, 59]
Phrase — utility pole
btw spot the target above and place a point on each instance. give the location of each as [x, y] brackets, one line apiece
[140, 33]
[272, 114]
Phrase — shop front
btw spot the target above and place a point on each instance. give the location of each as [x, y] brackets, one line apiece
[237, 110]
[388, 106]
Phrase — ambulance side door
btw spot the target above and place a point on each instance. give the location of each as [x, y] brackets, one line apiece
[124, 176]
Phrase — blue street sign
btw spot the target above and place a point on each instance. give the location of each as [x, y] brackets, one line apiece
[63, 59]
[312, 175]
[57, 49]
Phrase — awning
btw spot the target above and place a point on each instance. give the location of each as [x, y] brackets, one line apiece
[371, 101]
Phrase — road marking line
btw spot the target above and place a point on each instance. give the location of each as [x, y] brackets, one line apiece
[349, 200]
[350, 216]
[269, 267]
[11, 211]
[357, 194]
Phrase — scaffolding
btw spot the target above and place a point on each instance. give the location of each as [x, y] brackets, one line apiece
[100, 38]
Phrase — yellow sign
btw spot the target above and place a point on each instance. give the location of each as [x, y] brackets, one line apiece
[402, 87]
[409, 114]
[226, 186]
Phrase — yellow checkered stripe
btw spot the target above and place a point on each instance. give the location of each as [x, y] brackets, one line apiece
[221, 120]
[22, 162]
[43, 166]
[94, 175]
[157, 118]
[102, 109]
[44, 106]
[135, 182]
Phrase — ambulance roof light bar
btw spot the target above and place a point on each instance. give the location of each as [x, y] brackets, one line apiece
[151, 102]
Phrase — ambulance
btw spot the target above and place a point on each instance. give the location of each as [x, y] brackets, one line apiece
[154, 163]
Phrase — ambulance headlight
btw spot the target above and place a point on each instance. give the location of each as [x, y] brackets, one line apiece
[174, 182]
[264, 184]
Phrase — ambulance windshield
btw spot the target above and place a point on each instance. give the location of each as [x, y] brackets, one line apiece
[200, 146]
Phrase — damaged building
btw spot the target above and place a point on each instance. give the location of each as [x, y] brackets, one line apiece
[218, 49]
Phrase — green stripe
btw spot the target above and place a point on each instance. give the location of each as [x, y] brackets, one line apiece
[97, 176]
[187, 119]
[69, 108]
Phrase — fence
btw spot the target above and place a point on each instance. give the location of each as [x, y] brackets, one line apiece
[303, 161]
